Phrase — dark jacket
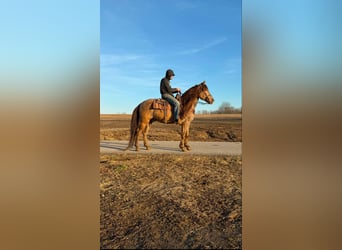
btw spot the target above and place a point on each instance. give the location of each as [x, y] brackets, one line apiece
[165, 87]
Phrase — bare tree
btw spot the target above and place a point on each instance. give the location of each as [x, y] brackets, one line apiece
[225, 108]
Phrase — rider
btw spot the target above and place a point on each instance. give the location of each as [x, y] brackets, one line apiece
[167, 93]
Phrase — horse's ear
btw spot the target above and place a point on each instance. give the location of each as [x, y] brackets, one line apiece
[203, 82]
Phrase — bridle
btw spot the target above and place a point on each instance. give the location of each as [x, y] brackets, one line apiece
[206, 97]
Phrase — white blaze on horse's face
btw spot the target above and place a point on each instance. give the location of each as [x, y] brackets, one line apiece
[205, 94]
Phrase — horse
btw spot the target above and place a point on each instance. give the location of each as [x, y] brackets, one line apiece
[145, 114]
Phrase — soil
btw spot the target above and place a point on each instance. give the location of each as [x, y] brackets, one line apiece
[168, 201]
[224, 127]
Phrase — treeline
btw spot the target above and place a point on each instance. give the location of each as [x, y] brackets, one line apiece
[225, 108]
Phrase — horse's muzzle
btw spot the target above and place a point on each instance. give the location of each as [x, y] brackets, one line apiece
[209, 99]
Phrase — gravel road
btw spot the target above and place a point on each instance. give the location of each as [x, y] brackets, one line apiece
[171, 147]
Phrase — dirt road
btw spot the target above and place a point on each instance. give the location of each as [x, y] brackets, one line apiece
[171, 147]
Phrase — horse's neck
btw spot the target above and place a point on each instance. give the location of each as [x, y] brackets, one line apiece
[189, 104]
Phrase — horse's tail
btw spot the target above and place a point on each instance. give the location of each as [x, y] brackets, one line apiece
[134, 127]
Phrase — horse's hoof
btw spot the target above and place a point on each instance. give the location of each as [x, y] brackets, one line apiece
[183, 149]
[188, 148]
[147, 148]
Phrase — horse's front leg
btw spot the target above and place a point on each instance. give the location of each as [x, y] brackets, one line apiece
[186, 140]
[186, 136]
[181, 144]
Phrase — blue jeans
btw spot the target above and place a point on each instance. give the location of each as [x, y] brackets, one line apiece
[174, 102]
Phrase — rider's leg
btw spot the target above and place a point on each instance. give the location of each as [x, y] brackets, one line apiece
[174, 102]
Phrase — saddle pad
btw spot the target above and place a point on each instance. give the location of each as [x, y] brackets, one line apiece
[160, 104]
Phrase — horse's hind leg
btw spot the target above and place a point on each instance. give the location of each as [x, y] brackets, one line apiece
[143, 127]
[137, 139]
[145, 131]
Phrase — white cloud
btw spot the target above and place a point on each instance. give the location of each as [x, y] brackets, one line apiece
[232, 66]
[128, 70]
[110, 59]
[203, 47]
[229, 71]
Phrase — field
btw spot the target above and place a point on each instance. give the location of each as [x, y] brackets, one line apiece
[171, 201]
[225, 127]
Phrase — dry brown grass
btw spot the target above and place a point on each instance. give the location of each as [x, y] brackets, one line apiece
[170, 201]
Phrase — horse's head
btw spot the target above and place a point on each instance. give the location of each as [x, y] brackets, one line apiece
[204, 93]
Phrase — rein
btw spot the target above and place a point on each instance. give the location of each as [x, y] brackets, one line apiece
[201, 102]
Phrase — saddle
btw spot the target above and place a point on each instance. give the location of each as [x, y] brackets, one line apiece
[162, 104]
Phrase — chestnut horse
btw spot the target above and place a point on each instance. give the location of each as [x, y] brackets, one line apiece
[144, 115]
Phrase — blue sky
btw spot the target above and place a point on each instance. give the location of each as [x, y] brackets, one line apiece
[199, 40]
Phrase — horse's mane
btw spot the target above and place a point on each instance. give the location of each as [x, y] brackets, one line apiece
[190, 94]
[188, 98]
